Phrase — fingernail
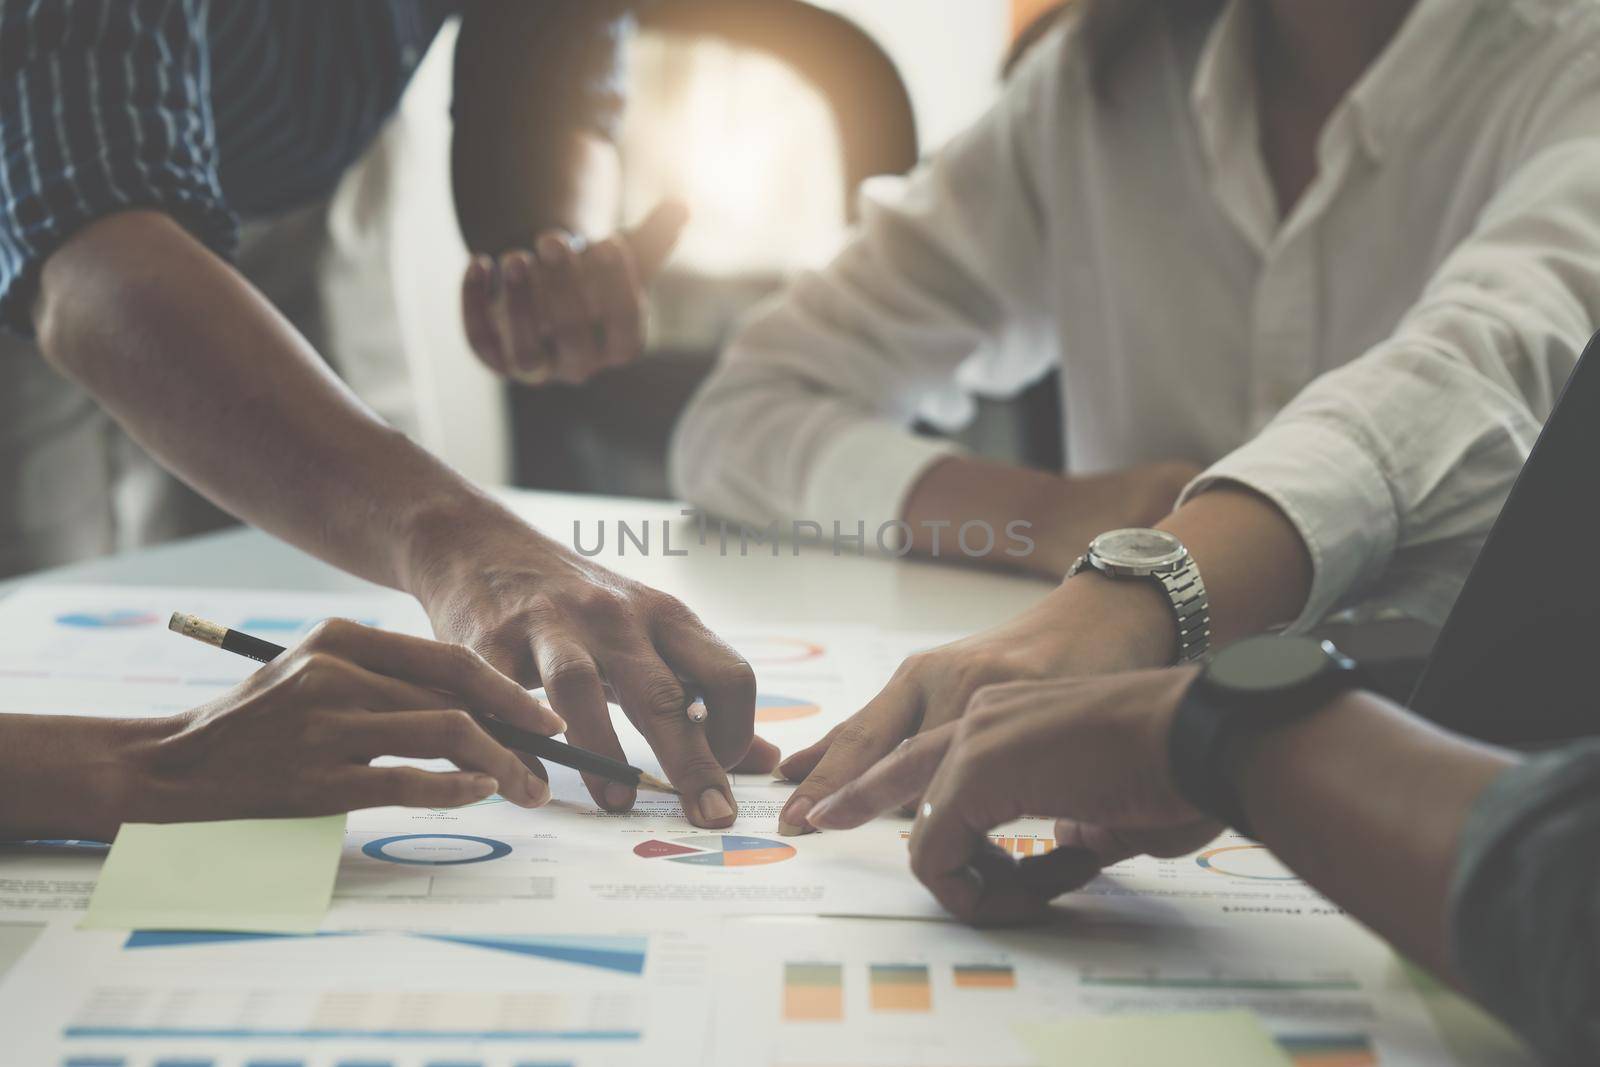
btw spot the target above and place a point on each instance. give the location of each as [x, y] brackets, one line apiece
[550, 247]
[516, 269]
[792, 823]
[538, 791]
[484, 786]
[818, 815]
[714, 807]
[779, 776]
[558, 724]
[619, 796]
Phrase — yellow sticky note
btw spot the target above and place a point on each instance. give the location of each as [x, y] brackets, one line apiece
[250, 875]
[1224, 1039]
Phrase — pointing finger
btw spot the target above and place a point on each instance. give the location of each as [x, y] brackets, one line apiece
[900, 776]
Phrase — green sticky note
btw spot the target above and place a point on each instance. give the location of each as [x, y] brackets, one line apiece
[1226, 1039]
[249, 875]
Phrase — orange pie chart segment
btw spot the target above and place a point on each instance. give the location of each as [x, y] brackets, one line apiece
[772, 707]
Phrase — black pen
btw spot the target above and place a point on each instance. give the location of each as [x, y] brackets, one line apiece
[513, 737]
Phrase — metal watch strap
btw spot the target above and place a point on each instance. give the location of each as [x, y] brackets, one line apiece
[1191, 608]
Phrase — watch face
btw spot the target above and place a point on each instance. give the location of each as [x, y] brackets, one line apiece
[1270, 664]
[1137, 548]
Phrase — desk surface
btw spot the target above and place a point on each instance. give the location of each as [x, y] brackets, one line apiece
[811, 584]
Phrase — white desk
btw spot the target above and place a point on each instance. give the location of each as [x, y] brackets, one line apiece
[814, 585]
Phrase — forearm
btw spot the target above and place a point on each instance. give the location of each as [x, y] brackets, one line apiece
[1367, 804]
[504, 200]
[959, 490]
[209, 378]
[1255, 565]
[1058, 515]
[537, 97]
[68, 777]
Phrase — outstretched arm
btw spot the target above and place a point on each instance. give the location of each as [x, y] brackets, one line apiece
[204, 373]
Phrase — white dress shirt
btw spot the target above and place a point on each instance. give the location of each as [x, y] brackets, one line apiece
[1378, 363]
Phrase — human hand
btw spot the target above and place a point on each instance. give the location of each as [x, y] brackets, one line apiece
[1089, 625]
[1093, 753]
[543, 615]
[566, 310]
[297, 737]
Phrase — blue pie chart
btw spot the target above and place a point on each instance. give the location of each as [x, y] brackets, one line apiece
[436, 850]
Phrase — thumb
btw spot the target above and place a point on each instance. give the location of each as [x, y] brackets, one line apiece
[653, 239]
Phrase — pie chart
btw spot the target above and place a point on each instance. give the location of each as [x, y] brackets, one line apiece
[436, 850]
[770, 707]
[1250, 862]
[716, 850]
[772, 651]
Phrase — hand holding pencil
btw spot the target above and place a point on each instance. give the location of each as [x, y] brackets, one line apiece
[520, 739]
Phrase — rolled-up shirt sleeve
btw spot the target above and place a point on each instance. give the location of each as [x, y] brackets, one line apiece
[104, 105]
[1415, 444]
[809, 414]
[1525, 904]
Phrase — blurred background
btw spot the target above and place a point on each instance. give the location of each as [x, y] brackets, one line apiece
[766, 116]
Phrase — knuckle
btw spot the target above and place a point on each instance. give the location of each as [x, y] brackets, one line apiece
[974, 672]
[983, 700]
[571, 673]
[596, 602]
[738, 678]
[313, 668]
[464, 661]
[329, 633]
[663, 694]
[915, 665]
[857, 732]
[987, 708]
[669, 609]
[819, 783]
[699, 766]
[980, 751]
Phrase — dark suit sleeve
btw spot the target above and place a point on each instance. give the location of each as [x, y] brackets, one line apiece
[528, 77]
[1525, 907]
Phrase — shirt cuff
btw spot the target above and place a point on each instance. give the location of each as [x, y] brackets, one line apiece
[1331, 490]
[862, 479]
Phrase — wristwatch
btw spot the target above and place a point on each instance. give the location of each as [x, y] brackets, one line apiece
[1247, 688]
[1155, 555]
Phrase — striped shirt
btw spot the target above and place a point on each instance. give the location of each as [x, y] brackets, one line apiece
[208, 112]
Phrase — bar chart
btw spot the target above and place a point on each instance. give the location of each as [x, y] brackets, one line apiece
[813, 992]
[900, 987]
